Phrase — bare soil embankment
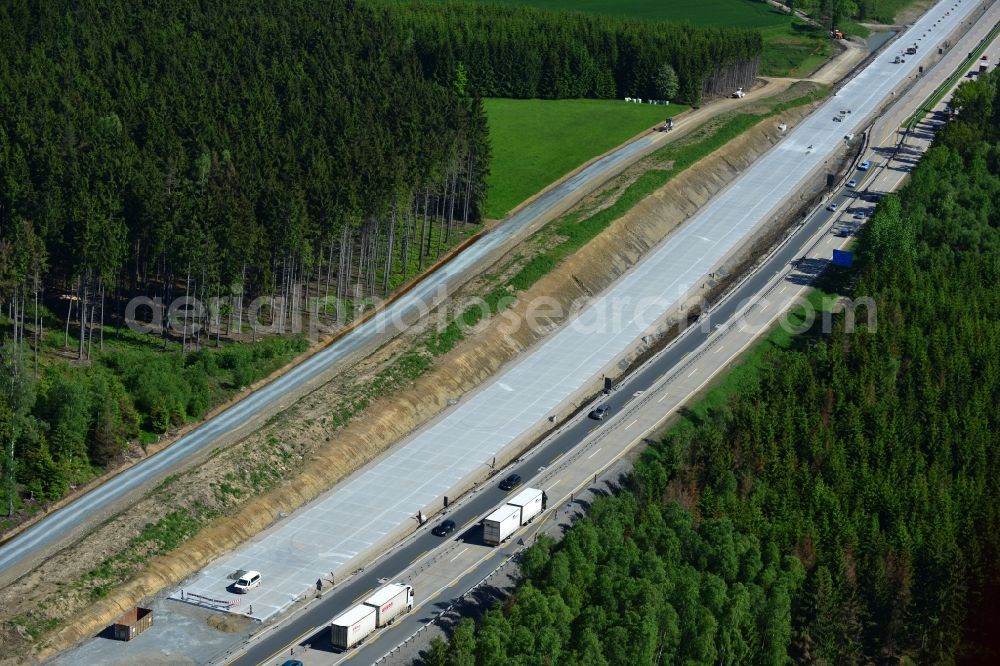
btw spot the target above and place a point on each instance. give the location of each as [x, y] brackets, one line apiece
[301, 453]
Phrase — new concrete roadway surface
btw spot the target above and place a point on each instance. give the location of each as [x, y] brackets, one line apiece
[50, 532]
[572, 459]
[378, 504]
[686, 365]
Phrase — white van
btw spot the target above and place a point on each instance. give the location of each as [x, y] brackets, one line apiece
[248, 581]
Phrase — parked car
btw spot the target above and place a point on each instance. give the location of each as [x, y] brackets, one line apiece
[864, 166]
[444, 529]
[599, 413]
[511, 482]
[853, 182]
[832, 207]
[292, 662]
[248, 581]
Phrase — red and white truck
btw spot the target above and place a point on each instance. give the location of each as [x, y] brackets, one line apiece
[352, 626]
[390, 602]
[379, 609]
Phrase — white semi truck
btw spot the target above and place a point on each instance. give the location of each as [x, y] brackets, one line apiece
[499, 525]
[530, 502]
[352, 626]
[379, 609]
[518, 511]
[390, 602]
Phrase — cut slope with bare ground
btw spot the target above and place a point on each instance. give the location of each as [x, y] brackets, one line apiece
[305, 445]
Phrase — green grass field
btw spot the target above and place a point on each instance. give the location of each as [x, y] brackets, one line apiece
[536, 142]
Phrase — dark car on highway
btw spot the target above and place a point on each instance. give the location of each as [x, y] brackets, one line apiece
[444, 529]
[599, 413]
[511, 482]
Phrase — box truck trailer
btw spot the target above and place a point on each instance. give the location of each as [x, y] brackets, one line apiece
[352, 626]
[379, 609]
[530, 502]
[390, 602]
[500, 524]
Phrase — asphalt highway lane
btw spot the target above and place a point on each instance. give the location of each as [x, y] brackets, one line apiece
[23, 550]
[298, 629]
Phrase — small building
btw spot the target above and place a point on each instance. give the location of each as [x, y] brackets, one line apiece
[132, 623]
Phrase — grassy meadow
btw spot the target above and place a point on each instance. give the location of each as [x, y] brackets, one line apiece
[536, 142]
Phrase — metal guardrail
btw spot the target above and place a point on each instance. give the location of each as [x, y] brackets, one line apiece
[939, 92]
[437, 618]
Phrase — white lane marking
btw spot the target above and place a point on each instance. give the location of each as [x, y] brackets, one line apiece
[763, 306]
[630, 424]
[691, 374]
[742, 328]
[665, 396]
[459, 554]
[554, 484]
[595, 452]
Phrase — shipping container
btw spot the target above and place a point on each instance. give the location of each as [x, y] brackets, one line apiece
[501, 524]
[529, 502]
[352, 626]
[132, 623]
[389, 602]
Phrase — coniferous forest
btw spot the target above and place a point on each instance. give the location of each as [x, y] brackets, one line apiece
[313, 156]
[843, 505]
[292, 149]
[522, 52]
[149, 144]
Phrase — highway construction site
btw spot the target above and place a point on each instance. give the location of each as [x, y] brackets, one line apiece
[302, 450]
